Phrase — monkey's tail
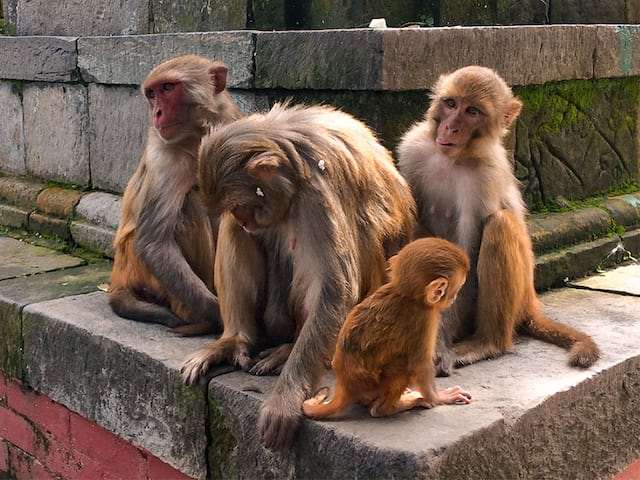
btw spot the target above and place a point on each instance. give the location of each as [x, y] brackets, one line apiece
[316, 409]
[125, 304]
[583, 352]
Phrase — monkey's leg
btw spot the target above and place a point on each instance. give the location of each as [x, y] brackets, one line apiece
[272, 360]
[393, 383]
[502, 273]
[240, 282]
[125, 304]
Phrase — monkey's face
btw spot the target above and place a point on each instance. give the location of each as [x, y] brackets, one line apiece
[258, 206]
[169, 108]
[459, 122]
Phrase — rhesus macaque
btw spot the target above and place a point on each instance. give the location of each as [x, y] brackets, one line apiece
[387, 344]
[466, 192]
[314, 206]
[165, 243]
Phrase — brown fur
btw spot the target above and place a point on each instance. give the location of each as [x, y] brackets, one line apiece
[323, 207]
[387, 343]
[164, 246]
[466, 192]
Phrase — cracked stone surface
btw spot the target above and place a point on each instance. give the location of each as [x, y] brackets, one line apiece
[624, 279]
[20, 259]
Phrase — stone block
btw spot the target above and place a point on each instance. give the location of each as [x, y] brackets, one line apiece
[249, 101]
[46, 225]
[99, 208]
[555, 268]
[11, 133]
[56, 124]
[18, 292]
[198, 15]
[536, 393]
[552, 231]
[272, 15]
[618, 51]
[394, 59]
[92, 237]
[597, 119]
[13, 216]
[119, 120]
[42, 59]
[500, 12]
[20, 191]
[128, 381]
[358, 13]
[592, 11]
[58, 201]
[624, 280]
[9, 11]
[21, 259]
[82, 17]
[128, 60]
[624, 209]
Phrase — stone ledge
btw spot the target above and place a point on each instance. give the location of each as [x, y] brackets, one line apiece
[356, 59]
[124, 376]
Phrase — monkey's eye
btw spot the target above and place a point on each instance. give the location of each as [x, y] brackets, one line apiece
[150, 94]
[450, 102]
[167, 87]
[473, 111]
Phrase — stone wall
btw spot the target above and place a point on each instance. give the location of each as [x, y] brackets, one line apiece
[127, 17]
[72, 112]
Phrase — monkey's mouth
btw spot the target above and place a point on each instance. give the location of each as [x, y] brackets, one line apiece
[245, 219]
[445, 144]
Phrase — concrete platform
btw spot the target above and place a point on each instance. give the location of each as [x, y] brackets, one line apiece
[623, 280]
[533, 416]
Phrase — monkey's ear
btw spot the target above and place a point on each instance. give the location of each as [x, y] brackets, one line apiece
[511, 111]
[263, 166]
[218, 74]
[436, 290]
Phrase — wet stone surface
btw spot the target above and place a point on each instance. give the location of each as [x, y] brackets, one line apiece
[20, 259]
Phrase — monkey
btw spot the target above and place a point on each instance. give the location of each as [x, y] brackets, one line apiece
[387, 342]
[165, 243]
[466, 192]
[312, 208]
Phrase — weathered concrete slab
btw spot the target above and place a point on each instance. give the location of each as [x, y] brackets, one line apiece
[13, 216]
[20, 191]
[395, 59]
[128, 60]
[48, 225]
[617, 53]
[625, 280]
[98, 239]
[128, 380]
[20, 259]
[11, 133]
[18, 292]
[58, 201]
[82, 17]
[119, 118]
[250, 101]
[56, 124]
[554, 230]
[42, 59]
[100, 208]
[533, 416]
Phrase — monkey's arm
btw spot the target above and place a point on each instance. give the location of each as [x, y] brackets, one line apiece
[159, 251]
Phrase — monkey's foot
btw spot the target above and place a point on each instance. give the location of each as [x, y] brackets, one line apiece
[272, 360]
[320, 397]
[455, 395]
[472, 351]
[278, 422]
[233, 350]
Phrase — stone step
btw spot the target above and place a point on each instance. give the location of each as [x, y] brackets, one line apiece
[533, 416]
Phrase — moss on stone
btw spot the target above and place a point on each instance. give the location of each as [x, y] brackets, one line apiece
[559, 206]
[222, 462]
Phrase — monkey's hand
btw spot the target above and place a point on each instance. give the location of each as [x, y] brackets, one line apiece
[279, 419]
[234, 350]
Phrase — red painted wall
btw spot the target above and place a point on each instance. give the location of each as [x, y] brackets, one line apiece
[41, 439]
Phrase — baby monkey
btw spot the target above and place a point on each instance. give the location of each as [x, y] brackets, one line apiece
[385, 350]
